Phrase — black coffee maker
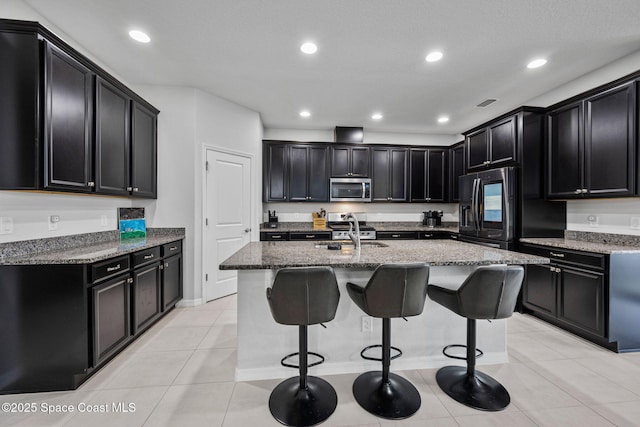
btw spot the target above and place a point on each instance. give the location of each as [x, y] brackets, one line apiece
[432, 218]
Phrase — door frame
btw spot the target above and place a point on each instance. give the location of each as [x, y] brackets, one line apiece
[253, 215]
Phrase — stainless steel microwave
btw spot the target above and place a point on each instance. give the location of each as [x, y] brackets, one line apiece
[350, 190]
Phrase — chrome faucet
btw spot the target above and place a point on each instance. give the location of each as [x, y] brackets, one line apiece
[355, 238]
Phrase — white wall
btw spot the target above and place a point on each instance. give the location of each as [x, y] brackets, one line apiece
[412, 212]
[305, 135]
[189, 120]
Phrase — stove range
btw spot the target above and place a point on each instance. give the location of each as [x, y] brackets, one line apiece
[341, 230]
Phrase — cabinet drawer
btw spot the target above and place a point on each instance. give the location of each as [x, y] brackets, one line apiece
[321, 235]
[399, 235]
[585, 259]
[433, 235]
[146, 256]
[109, 268]
[171, 248]
[267, 235]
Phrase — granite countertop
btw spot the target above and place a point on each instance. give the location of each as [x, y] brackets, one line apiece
[600, 243]
[82, 249]
[270, 255]
[306, 227]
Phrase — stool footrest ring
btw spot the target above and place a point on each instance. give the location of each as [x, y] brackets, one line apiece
[310, 353]
[479, 353]
[379, 359]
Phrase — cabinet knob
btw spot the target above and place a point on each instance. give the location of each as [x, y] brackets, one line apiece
[578, 191]
[486, 162]
[129, 280]
[91, 184]
[166, 265]
[428, 199]
[129, 188]
[135, 189]
[584, 190]
[161, 267]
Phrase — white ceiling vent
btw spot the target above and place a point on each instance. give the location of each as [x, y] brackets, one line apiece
[486, 102]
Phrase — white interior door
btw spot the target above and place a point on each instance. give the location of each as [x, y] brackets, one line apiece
[227, 218]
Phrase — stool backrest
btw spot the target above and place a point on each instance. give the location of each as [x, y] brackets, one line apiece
[397, 290]
[490, 292]
[304, 295]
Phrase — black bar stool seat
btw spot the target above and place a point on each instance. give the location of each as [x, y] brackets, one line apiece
[489, 292]
[303, 296]
[394, 290]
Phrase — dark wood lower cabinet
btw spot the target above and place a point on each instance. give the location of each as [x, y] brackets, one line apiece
[581, 299]
[540, 292]
[171, 282]
[111, 317]
[145, 291]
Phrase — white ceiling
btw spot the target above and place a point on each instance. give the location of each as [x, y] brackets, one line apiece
[370, 58]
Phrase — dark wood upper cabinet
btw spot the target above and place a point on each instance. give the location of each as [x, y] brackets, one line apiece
[68, 104]
[493, 146]
[308, 173]
[275, 162]
[66, 124]
[349, 161]
[112, 139]
[144, 124]
[429, 174]
[456, 169]
[592, 146]
[389, 177]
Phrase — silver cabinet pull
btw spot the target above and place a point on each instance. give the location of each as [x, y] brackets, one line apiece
[276, 237]
[91, 184]
[310, 236]
[395, 235]
[161, 267]
[129, 280]
[114, 268]
[578, 191]
[148, 256]
[166, 265]
[556, 255]
[173, 248]
[135, 189]
[129, 188]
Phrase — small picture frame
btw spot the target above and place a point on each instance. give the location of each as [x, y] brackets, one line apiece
[132, 223]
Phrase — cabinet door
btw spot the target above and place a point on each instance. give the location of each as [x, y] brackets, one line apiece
[145, 292]
[298, 173]
[389, 174]
[503, 142]
[581, 299]
[436, 175]
[274, 172]
[171, 281]
[143, 152]
[418, 191]
[539, 293]
[399, 187]
[360, 161]
[110, 317]
[380, 180]
[456, 170]
[477, 147]
[19, 76]
[112, 139]
[610, 142]
[318, 173]
[340, 162]
[565, 152]
[68, 122]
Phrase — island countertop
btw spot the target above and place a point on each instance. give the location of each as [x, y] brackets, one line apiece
[272, 255]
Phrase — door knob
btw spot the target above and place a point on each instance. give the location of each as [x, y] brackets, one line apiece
[246, 230]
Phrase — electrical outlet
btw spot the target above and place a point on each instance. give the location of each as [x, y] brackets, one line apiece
[53, 222]
[367, 324]
[593, 220]
[635, 222]
[6, 225]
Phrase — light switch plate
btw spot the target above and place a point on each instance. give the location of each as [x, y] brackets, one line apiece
[593, 220]
[6, 225]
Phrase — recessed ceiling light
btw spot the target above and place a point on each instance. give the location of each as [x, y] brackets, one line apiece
[139, 36]
[305, 113]
[434, 56]
[376, 116]
[443, 119]
[537, 63]
[309, 48]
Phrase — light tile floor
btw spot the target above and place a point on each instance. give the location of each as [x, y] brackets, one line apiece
[180, 373]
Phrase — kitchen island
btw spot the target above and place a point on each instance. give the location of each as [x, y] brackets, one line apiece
[262, 342]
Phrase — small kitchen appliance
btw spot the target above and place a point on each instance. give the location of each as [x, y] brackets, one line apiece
[432, 218]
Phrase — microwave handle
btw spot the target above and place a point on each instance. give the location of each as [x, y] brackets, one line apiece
[364, 190]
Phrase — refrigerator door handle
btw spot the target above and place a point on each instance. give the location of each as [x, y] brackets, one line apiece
[475, 203]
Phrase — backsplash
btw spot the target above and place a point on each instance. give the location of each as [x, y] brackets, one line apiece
[376, 212]
[614, 216]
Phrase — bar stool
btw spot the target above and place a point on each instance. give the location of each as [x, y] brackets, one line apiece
[489, 292]
[394, 290]
[303, 296]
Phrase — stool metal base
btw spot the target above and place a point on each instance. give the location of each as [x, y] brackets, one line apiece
[293, 406]
[394, 400]
[479, 391]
